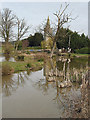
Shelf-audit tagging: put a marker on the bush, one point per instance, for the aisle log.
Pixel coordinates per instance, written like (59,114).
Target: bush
(40,60)
(28,65)
(84,50)
(7,57)
(7,69)
(48,51)
(27,52)
(8,48)
(20,58)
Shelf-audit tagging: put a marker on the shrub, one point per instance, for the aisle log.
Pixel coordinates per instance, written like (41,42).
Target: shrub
(48,51)
(84,50)
(28,65)
(74,55)
(27,52)
(40,60)
(7,69)
(8,48)
(25,44)
(20,58)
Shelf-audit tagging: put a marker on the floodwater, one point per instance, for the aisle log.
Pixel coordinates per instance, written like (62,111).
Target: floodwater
(6,58)
(37,94)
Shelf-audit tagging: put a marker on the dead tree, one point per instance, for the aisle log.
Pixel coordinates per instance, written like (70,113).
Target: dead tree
(62,19)
(22,30)
(6,25)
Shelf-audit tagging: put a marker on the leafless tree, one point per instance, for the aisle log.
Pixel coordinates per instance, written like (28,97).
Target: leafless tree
(22,30)
(62,17)
(6,25)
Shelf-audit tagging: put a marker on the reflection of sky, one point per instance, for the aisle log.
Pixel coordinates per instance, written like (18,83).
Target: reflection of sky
(36,13)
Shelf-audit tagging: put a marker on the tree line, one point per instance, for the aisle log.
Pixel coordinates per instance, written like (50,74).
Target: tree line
(62,38)
(77,41)
(71,39)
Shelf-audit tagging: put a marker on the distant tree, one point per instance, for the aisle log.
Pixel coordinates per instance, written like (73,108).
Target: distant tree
(22,30)
(25,44)
(31,41)
(62,39)
(77,41)
(35,40)
(38,37)
(83,41)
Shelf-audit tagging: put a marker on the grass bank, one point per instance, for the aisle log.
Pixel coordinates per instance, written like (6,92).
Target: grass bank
(9,67)
(79,55)
(74,55)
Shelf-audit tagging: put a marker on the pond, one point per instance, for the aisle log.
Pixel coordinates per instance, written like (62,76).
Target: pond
(37,94)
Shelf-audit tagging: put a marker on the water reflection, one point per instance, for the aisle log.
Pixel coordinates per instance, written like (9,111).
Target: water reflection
(65,69)
(62,70)
(11,82)
(71,101)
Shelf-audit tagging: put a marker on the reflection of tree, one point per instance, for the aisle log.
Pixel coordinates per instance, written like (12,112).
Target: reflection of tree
(71,101)
(8,85)
(66,98)
(11,82)
(42,85)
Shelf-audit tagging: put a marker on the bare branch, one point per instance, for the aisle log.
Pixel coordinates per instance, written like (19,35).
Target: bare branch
(22,30)
(6,25)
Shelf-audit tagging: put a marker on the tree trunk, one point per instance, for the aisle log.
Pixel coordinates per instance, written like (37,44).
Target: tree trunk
(52,51)
(16,47)
(17,43)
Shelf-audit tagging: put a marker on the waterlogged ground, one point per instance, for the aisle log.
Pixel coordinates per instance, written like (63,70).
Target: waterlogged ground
(37,94)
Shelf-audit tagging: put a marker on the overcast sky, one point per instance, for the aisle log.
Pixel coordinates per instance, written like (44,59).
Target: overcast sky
(36,12)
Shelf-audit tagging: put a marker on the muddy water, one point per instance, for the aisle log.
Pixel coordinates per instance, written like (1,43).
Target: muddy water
(37,95)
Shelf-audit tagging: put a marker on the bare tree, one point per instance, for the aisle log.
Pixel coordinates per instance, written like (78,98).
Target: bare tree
(62,18)
(22,30)
(6,25)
